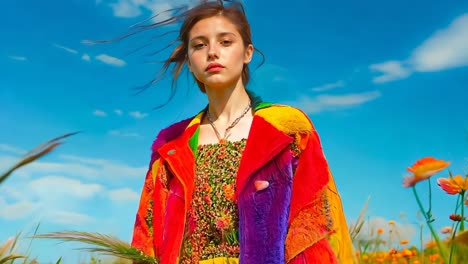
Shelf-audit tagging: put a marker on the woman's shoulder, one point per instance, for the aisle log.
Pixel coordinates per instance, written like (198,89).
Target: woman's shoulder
(286,118)
(169,133)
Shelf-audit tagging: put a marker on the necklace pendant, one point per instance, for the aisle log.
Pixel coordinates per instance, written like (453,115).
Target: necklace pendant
(222,141)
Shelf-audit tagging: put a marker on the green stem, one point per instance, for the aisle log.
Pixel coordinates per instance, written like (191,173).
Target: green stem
(421,242)
(431,228)
(454,232)
(429,211)
(462,223)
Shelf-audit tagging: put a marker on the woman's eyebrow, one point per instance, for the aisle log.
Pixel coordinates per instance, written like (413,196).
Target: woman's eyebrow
(221,34)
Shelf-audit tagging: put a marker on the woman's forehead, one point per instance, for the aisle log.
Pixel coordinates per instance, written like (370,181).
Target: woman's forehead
(213,26)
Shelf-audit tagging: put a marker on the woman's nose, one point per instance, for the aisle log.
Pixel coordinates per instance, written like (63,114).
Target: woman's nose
(213,51)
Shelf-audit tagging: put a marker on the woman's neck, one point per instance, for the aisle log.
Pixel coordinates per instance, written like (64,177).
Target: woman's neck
(226,104)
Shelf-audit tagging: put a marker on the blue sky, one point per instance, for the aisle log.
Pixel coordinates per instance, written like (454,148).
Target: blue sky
(384,84)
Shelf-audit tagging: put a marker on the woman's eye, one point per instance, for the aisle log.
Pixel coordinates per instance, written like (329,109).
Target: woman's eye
(226,42)
(198,46)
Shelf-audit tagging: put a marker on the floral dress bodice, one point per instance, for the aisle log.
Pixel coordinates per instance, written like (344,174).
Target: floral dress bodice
(212,221)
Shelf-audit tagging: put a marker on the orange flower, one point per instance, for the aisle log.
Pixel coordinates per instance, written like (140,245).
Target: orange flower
(228,192)
(380,230)
(391,222)
(404,242)
(453,185)
(407,253)
(431,244)
(434,257)
(446,230)
(424,169)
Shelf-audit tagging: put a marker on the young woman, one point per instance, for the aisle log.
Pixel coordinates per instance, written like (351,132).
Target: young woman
(243,181)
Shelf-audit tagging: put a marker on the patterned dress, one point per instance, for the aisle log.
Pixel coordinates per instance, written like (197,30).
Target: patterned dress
(212,221)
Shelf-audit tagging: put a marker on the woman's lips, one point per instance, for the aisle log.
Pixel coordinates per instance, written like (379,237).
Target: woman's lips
(214,67)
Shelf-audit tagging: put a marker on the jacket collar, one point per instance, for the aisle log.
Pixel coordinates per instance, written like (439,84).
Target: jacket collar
(263,143)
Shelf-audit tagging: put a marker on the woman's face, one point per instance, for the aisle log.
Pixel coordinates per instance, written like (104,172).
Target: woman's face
(216,52)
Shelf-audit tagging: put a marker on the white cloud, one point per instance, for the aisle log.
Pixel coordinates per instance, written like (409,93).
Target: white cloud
(59,185)
(16,210)
(160,8)
(45,209)
(123,195)
(12,149)
(123,134)
(46,197)
(134,8)
(390,70)
(68,218)
(334,102)
(126,8)
(59,168)
(118,112)
(84,160)
(98,112)
(111,60)
(59,192)
(18,58)
(328,86)
(86,57)
(445,49)
(138,115)
(70,165)
(65,48)
(107,168)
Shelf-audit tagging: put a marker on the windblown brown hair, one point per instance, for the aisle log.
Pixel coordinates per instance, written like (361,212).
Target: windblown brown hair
(232,10)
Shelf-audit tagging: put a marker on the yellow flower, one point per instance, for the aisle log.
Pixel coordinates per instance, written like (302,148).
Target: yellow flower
(391,222)
(453,185)
(423,169)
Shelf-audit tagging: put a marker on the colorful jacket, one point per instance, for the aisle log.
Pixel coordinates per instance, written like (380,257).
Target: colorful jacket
(298,219)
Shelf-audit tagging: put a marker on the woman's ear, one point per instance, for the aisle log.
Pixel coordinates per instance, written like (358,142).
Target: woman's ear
(248,53)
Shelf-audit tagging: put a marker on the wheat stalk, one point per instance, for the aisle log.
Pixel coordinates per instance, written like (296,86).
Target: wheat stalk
(105,244)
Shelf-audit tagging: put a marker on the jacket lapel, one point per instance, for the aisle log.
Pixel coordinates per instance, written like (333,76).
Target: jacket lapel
(179,155)
(264,143)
